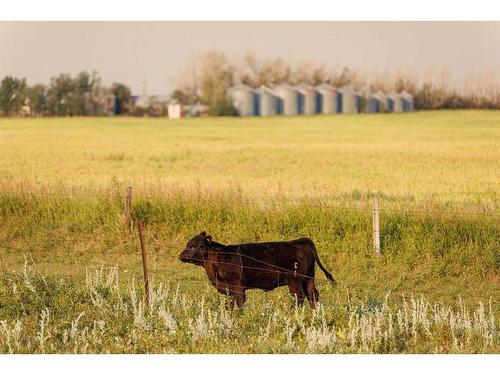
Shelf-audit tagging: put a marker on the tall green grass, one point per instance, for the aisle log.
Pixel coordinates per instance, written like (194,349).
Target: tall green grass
(438,253)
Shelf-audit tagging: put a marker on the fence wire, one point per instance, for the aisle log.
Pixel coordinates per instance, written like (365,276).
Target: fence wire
(276,203)
(261,266)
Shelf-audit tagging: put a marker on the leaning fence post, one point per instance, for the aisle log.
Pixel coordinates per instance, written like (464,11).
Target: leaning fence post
(127,214)
(144,262)
(376,226)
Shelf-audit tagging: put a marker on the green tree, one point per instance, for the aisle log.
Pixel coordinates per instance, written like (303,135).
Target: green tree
(123,97)
(37,95)
(88,95)
(346,77)
(429,97)
(275,72)
(407,85)
(180,96)
(216,76)
(12,95)
(60,95)
(319,75)
(79,96)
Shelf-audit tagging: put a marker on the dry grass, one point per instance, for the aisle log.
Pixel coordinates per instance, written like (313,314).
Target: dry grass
(427,156)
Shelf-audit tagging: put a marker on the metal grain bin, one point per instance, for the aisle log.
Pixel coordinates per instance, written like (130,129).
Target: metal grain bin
(389,104)
(407,101)
(308,99)
(243,99)
(349,100)
(266,102)
(376,102)
(372,103)
(288,100)
(362,100)
(382,101)
(327,99)
(394,102)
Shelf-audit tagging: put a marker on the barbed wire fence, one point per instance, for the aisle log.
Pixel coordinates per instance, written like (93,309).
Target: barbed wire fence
(129,220)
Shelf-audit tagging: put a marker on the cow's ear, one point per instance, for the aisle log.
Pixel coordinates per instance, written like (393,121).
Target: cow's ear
(203,234)
(209,239)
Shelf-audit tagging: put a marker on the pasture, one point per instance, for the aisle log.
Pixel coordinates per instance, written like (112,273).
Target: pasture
(71,274)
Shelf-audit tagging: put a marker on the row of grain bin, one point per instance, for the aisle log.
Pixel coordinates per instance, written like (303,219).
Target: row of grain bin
(308,100)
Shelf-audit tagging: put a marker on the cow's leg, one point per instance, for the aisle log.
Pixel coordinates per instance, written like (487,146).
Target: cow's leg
(236,298)
(240,298)
(295,287)
(312,292)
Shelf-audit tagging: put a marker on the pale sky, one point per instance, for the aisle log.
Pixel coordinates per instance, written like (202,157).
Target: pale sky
(155,52)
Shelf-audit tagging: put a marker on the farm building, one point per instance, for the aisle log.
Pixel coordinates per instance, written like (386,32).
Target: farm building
(394,102)
(349,100)
(382,99)
(307,99)
(152,105)
(243,99)
(266,102)
(195,110)
(174,110)
(327,99)
(407,101)
(372,103)
(107,105)
(376,102)
(288,100)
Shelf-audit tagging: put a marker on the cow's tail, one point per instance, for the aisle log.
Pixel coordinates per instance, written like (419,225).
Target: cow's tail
(327,274)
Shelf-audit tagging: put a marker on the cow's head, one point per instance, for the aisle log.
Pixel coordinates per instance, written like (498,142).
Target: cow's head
(196,249)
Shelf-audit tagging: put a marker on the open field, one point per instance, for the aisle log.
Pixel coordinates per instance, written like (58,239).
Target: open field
(434,289)
(445,156)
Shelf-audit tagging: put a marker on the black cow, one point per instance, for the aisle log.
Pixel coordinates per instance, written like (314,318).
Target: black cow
(235,268)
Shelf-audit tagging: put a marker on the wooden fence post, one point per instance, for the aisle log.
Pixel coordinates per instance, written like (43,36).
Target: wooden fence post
(376,226)
(144,262)
(127,212)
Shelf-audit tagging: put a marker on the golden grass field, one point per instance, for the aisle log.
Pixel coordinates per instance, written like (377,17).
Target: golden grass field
(448,156)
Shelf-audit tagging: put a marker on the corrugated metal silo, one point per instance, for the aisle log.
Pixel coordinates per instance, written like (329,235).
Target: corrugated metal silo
(288,99)
(308,99)
(407,101)
(376,102)
(266,102)
(389,104)
(394,102)
(372,103)
(327,99)
(362,99)
(382,101)
(243,99)
(349,100)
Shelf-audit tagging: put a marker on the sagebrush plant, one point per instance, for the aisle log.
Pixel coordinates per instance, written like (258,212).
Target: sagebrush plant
(111,316)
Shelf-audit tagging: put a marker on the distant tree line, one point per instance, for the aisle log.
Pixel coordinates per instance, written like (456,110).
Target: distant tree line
(208,75)
(81,95)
